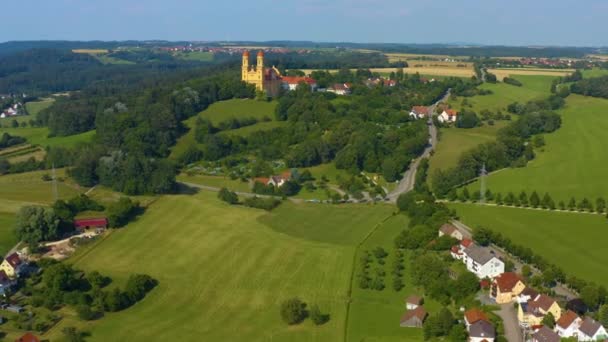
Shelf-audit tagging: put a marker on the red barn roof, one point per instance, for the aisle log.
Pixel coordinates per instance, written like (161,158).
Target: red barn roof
(298,79)
(91,222)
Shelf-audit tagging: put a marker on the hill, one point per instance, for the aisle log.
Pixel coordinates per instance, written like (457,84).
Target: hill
(224,270)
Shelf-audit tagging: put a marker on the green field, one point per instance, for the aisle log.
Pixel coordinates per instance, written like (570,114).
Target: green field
(534,87)
(29,188)
(224,270)
(220,111)
(573,161)
(374,315)
(595,73)
(39,136)
(197,56)
(454,141)
(573,241)
(216,181)
(7,233)
(34,107)
(260,126)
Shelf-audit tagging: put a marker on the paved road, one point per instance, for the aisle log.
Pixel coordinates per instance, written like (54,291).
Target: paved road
(508,314)
(409,177)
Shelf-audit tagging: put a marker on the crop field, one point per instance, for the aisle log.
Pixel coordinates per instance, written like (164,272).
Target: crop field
(29,188)
(534,87)
(224,110)
(39,136)
(572,162)
(573,241)
(374,315)
(224,270)
(400,57)
(455,141)
(509,72)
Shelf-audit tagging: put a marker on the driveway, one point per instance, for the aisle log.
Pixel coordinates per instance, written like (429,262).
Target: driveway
(508,314)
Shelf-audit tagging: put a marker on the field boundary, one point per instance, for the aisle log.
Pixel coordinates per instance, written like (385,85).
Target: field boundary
(352,273)
(576,211)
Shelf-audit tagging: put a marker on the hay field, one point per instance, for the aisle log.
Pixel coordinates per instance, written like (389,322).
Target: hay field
(507,72)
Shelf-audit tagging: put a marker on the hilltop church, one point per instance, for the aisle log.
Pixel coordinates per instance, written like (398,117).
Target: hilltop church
(264,79)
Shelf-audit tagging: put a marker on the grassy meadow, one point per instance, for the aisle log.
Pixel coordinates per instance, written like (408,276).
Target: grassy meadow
(595,73)
(224,110)
(573,241)
(374,315)
(534,87)
(29,188)
(224,270)
(216,181)
(7,235)
(39,136)
(572,162)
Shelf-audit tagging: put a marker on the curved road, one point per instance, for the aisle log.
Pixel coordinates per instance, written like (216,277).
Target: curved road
(406,184)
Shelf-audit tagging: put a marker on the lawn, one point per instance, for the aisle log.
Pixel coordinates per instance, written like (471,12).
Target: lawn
(29,188)
(454,141)
(534,87)
(220,111)
(198,56)
(328,170)
(224,270)
(595,73)
(39,136)
(248,130)
(374,315)
(573,161)
(575,242)
(216,181)
(34,107)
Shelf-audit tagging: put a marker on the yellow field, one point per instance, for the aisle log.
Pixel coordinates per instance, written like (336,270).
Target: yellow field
(600,57)
(91,51)
(506,72)
(398,57)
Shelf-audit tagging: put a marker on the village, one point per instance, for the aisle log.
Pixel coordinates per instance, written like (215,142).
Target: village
(540,317)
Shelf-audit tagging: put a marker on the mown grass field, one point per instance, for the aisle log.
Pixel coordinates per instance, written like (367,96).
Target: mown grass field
(374,315)
(39,136)
(454,141)
(224,270)
(573,241)
(7,232)
(573,161)
(595,73)
(216,181)
(29,188)
(198,56)
(248,130)
(534,87)
(224,110)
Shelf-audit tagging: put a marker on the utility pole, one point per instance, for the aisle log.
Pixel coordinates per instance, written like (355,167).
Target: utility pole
(482,182)
(55,190)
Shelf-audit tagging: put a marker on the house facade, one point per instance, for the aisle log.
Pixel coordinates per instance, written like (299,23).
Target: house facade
(450,230)
(481,331)
(567,325)
(482,262)
(11,265)
(419,112)
(533,312)
(340,89)
(292,82)
(506,287)
(591,330)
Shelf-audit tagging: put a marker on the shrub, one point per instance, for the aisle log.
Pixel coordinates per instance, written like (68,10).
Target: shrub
(317,317)
(262,203)
(293,311)
(228,196)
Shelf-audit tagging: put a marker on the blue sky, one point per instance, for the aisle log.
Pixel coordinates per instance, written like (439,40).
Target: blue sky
(508,22)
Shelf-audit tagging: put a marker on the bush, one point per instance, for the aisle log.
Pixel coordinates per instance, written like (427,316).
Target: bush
(262,203)
(121,212)
(293,311)
(228,196)
(512,81)
(317,317)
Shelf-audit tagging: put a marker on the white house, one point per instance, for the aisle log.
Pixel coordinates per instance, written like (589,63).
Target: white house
(591,330)
(292,82)
(458,250)
(340,89)
(448,115)
(567,325)
(419,112)
(482,262)
(412,302)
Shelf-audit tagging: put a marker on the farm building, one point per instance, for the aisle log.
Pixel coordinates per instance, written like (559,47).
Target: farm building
(506,287)
(91,223)
(413,318)
(412,302)
(450,230)
(545,334)
(448,115)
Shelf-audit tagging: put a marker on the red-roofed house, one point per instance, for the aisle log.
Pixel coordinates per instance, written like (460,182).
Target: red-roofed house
(458,250)
(28,337)
(340,89)
(473,315)
(419,112)
(87,223)
(568,324)
(506,287)
(450,230)
(292,82)
(413,318)
(276,181)
(533,312)
(448,115)
(12,265)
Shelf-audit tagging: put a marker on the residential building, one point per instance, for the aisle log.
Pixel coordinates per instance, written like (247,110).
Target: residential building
(545,334)
(458,250)
(448,115)
(472,316)
(419,112)
(480,331)
(277,180)
(292,82)
(568,324)
(506,287)
(412,302)
(482,262)
(527,294)
(413,318)
(267,80)
(450,230)
(340,89)
(591,330)
(12,265)
(532,313)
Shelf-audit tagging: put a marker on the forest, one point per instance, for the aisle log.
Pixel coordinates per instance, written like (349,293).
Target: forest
(597,87)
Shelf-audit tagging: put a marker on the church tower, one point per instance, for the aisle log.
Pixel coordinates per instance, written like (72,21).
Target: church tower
(264,79)
(245,66)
